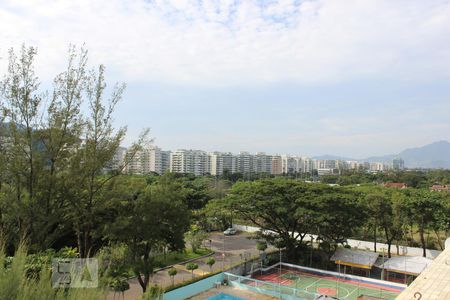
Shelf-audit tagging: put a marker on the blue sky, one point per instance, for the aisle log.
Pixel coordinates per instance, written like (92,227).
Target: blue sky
(352,78)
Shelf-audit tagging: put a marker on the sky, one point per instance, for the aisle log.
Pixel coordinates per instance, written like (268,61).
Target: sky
(344,77)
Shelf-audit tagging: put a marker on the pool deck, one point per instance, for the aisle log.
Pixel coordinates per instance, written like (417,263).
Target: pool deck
(249,295)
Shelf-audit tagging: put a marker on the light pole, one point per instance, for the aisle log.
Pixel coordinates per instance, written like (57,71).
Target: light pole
(279,277)
(312,249)
(223,253)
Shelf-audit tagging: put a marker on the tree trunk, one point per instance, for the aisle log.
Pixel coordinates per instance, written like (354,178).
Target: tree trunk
(389,248)
(422,241)
(441,246)
(141,282)
(375,238)
(388,241)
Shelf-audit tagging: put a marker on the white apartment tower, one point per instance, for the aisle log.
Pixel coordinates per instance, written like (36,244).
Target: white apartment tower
(219,162)
(153,159)
(245,162)
(189,161)
(263,163)
(290,164)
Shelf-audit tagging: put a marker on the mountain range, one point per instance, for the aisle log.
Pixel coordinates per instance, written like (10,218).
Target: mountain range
(435,155)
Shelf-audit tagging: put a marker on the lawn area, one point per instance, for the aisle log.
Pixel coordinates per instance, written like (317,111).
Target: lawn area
(177,257)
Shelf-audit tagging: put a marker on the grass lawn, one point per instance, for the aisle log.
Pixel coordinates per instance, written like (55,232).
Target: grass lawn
(177,257)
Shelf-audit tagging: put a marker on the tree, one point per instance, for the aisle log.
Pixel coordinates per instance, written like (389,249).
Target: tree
(286,210)
(172,272)
(40,141)
(154,217)
(53,156)
(217,214)
(425,209)
(195,237)
(261,246)
(378,210)
(191,267)
(210,262)
(337,217)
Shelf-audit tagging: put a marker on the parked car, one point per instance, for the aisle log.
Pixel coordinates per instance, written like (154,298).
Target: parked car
(230,231)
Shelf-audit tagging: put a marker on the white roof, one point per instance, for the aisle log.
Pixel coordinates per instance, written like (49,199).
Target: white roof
(406,264)
(358,257)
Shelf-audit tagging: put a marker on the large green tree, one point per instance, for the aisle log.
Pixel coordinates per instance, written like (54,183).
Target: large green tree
(154,218)
(427,211)
(286,210)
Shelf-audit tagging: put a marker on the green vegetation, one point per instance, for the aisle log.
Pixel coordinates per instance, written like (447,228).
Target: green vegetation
(287,209)
(291,209)
(210,262)
(191,267)
(171,258)
(172,272)
(17,283)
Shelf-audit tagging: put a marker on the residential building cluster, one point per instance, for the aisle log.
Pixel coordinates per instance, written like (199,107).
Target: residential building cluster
(198,162)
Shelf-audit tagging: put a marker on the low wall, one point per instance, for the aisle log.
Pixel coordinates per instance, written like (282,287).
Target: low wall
(363,245)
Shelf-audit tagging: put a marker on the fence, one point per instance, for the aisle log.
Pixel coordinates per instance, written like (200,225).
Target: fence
(268,288)
(363,245)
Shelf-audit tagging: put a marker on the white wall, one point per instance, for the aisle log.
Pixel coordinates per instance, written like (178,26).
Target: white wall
(365,245)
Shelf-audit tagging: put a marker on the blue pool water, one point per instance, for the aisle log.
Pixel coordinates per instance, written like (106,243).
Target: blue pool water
(223,296)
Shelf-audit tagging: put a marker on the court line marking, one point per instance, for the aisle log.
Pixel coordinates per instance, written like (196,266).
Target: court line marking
(348,295)
(306,288)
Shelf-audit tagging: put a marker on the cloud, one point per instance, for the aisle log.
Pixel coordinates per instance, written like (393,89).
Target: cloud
(210,43)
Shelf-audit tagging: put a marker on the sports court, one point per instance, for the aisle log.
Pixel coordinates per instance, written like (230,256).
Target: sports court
(307,283)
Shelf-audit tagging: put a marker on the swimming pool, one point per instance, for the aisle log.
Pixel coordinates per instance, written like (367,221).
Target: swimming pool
(223,296)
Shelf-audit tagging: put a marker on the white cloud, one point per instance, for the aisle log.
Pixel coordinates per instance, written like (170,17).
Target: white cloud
(233,42)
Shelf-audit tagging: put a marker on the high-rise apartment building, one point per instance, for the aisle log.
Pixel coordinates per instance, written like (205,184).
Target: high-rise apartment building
(198,162)
(398,164)
(148,160)
(220,162)
(307,164)
(245,162)
(189,162)
(277,165)
(153,159)
(263,163)
(118,161)
(290,165)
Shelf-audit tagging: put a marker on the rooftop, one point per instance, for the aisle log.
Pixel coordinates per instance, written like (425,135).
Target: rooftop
(434,282)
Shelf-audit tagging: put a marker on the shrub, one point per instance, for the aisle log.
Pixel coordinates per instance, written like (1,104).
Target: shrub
(191,267)
(210,262)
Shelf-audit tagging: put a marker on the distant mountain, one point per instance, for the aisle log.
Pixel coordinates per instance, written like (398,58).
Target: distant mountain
(435,155)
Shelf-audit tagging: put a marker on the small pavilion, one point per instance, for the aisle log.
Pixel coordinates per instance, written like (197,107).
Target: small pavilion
(358,262)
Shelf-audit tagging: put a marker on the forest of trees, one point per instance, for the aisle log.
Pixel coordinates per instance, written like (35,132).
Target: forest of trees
(60,194)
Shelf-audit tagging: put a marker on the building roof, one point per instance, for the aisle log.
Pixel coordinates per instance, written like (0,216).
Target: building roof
(412,265)
(355,258)
(434,282)
(438,187)
(398,185)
